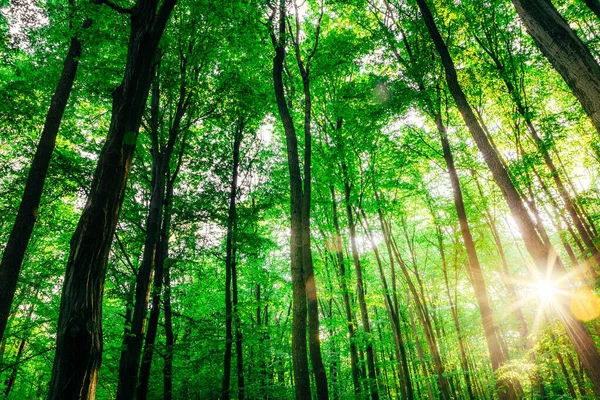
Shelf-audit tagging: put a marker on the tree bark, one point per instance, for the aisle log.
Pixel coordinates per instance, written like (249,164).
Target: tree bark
(544,255)
(79,334)
(566,52)
(14,252)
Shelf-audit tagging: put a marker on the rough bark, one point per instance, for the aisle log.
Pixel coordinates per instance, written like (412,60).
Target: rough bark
(566,52)
(14,252)
(79,334)
(544,255)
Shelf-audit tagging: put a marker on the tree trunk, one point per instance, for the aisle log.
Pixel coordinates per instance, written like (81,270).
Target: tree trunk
(405,385)
(545,256)
(79,334)
(345,293)
(299,345)
(162,253)
(229,261)
(161,158)
(566,52)
(168,367)
(360,292)
(505,387)
(14,253)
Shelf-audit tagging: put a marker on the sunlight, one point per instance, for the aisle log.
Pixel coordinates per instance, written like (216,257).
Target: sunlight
(545,290)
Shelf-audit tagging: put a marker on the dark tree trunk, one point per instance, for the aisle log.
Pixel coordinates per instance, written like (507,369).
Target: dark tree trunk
(299,345)
(566,52)
(505,388)
(230,250)
(79,334)
(543,254)
(14,253)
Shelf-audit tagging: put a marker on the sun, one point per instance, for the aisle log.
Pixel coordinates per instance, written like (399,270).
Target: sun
(545,290)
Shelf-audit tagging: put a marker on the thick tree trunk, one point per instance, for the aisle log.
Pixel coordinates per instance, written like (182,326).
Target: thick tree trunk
(229,254)
(14,253)
(299,345)
(79,334)
(505,388)
(544,255)
(566,52)
(360,292)
(339,251)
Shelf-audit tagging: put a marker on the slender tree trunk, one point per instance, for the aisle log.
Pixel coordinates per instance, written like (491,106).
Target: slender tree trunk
(453,307)
(345,293)
(161,158)
(360,289)
(421,355)
(10,381)
(79,334)
(544,255)
(14,252)
(396,332)
(299,345)
(505,387)
(424,317)
(229,262)
(566,52)
(307,262)
(168,367)
(159,278)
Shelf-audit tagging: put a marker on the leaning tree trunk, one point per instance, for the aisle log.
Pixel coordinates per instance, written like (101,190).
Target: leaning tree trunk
(14,253)
(544,255)
(79,334)
(505,388)
(566,52)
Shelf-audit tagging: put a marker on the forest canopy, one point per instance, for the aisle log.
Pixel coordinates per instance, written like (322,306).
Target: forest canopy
(299,199)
